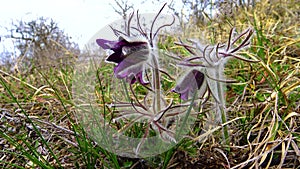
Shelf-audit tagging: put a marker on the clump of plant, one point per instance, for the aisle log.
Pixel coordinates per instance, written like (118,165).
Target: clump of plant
(139,75)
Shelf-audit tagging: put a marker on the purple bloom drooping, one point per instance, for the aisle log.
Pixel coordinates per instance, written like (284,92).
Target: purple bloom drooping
(189,84)
(130,56)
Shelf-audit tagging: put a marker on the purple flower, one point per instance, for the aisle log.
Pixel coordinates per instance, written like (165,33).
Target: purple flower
(130,56)
(187,86)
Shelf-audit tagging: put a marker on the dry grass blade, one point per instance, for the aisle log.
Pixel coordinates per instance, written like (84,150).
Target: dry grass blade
(256,158)
(19,80)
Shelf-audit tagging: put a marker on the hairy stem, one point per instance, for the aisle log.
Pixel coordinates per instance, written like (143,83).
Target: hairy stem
(156,85)
(221,107)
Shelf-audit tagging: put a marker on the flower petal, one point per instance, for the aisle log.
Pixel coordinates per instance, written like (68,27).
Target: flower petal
(125,69)
(132,67)
(189,84)
(140,78)
(116,57)
(107,44)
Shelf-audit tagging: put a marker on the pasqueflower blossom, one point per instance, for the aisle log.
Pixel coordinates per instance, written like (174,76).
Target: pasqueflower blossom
(129,55)
(205,69)
(133,52)
(189,83)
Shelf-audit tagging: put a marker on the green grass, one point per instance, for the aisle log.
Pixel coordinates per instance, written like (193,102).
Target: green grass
(39,129)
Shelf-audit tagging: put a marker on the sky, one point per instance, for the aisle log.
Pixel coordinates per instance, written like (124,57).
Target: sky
(80,19)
